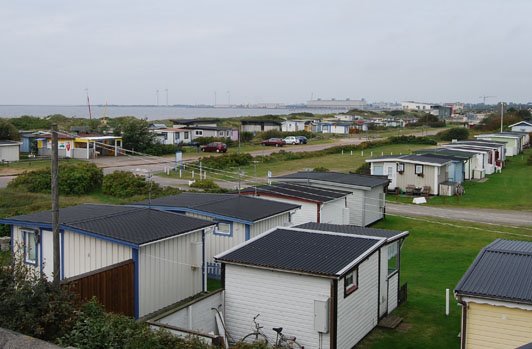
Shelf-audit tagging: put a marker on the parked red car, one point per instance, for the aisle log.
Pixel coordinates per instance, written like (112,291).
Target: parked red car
(275,142)
(217,147)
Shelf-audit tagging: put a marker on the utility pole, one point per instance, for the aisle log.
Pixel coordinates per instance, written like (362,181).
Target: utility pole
(55,204)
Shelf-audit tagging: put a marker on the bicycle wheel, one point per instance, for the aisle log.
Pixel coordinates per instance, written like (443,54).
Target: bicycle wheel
(255,338)
(294,345)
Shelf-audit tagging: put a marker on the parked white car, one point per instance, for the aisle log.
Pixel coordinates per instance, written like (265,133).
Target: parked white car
(291,140)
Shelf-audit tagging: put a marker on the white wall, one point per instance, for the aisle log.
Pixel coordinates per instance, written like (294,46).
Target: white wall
(393,292)
(282,299)
(333,211)
(374,205)
(307,213)
(9,152)
(358,312)
(260,227)
(169,272)
(84,253)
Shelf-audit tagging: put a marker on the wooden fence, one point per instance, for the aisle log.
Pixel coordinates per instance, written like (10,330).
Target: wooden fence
(113,286)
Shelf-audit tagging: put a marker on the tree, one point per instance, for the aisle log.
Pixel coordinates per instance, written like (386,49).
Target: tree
(27,122)
(8,131)
(458,133)
(136,134)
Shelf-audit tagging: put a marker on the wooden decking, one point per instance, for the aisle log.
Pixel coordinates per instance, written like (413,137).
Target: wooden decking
(390,321)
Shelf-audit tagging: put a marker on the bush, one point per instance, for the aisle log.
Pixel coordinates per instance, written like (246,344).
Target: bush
(411,140)
(123,184)
(246,137)
(74,179)
(31,305)
(95,329)
(458,133)
(206,184)
(8,131)
(206,140)
(364,169)
(158,149)
(227,161)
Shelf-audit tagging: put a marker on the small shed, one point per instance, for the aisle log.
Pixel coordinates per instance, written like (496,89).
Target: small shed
(496,297)
(522,126)
(366,201)
(317,204)
(9,151)
(238,218)
(166,248)
(330,283)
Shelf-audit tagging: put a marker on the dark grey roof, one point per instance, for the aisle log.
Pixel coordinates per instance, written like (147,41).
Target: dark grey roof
(447,152)
(336,177)
(482,143)
(301,251)
(212,128)
(414,157)
(471,148)
(137,225)
(301,191)
(389,235)
(229,205)
(502,270)
(8,142)
(195,121)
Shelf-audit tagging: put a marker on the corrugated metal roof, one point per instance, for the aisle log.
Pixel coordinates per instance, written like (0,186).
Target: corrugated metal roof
(301,191)
(351,229)
(229,205)
(336,177)
(502,270)
(137,225)
(302,251)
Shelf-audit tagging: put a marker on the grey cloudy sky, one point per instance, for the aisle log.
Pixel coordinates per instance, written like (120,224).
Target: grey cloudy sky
(267,51)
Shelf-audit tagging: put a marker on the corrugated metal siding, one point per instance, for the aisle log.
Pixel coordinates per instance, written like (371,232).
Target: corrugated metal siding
(267,224)
(357,313)
(374,205)
(282,300)
(307,213)
(166,274)
(355,203)
(497,327)
(9,153)
(383,307)
(333,211)
(393,288)
(84,253)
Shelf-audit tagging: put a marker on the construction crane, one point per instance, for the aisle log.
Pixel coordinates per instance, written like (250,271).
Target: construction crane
(486,97)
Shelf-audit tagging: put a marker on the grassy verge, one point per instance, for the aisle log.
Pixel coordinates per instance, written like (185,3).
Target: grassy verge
(508,190)
(29,165)
(434,257)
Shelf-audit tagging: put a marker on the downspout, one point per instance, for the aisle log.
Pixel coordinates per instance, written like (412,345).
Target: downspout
(464,323)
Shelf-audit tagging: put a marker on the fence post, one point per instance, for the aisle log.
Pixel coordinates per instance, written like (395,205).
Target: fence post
(362,153)
(192,173)
(447,301)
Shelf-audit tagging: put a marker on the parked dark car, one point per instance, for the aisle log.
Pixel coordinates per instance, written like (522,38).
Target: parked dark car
(217,147)
(302,139)
(275,142)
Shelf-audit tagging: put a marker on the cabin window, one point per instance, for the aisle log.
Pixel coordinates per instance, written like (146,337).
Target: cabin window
(221,133)
(30,247)
(199,133)
(400,167)
(165,135)
(223,228)
(392,258)
(186,135)
(351,282)
(419,170)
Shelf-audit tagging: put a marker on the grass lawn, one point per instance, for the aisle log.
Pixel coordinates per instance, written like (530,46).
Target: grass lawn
(29,165)
(508,190)
(433,258)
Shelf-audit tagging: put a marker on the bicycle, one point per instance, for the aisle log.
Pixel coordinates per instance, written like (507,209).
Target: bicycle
(257,336)
(283,341)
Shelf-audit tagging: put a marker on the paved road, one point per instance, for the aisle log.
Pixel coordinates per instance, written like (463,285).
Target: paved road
(501,217)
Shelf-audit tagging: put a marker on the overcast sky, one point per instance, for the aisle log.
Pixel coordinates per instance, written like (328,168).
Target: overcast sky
(267,51)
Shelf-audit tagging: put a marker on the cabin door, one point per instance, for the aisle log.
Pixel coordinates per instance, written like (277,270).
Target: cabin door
(392,176)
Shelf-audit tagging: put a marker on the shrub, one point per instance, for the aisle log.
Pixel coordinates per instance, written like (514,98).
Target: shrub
(227,161)
(411,140)
(364,169)
(206,184)
(95,329)
(246,137)
(31,305)
(206,140)
(458,133)
(8,131)
(123,184)
(158,149)
(74,179)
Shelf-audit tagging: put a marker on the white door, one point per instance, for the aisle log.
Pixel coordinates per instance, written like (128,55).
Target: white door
(47,241)
(392,176)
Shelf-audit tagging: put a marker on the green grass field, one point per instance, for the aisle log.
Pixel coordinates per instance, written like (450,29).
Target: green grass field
(434,257)
(509,190)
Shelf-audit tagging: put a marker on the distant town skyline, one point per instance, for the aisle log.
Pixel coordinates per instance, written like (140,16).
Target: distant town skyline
(240,52)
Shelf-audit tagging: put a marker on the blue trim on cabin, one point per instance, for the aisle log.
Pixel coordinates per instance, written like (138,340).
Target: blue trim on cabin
(25,246)
(136,300)
(67,227)
(248,232)
(39,241)
(177,209)
(62,254)
(203,263)
(229,235)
